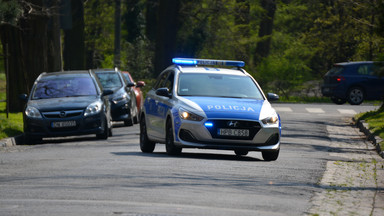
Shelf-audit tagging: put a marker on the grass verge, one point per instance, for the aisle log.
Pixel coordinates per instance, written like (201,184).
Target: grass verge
(375,120)
(11,126)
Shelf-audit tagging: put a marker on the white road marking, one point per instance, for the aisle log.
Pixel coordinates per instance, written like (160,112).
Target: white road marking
(347,111)
(315,110)
(283,109)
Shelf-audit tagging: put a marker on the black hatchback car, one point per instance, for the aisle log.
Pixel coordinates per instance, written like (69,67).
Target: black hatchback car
(123,99)
(353,82)
(66,104)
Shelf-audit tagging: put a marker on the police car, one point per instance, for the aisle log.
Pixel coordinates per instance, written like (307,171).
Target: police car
(209,104)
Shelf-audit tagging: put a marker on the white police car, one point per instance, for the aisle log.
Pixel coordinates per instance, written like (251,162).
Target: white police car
(196,106)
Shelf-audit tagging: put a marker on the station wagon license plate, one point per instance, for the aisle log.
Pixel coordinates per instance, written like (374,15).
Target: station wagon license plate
(233,132)
(63,124)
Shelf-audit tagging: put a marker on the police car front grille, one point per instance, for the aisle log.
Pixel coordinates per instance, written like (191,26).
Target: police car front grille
(252,126)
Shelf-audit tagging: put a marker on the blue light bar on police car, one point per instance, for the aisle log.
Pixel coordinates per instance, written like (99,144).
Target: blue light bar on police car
(192,61)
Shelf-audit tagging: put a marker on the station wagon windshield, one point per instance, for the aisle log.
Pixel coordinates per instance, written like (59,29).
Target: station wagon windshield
(56,87)
(218,85)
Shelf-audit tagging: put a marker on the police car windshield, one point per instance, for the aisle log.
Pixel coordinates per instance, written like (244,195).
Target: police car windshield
(217,85)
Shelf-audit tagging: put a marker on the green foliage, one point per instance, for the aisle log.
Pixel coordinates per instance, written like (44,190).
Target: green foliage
(10,12)
(375,120)
(11,126)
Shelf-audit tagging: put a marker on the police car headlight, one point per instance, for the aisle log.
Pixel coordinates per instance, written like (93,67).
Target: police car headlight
(93,108)
(186,115)
(271,119)
(32,112)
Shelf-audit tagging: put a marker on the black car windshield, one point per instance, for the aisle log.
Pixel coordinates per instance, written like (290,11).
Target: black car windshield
(110,80)
(57,86)
(218,85)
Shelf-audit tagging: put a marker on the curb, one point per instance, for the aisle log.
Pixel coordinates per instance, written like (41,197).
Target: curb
(376,140)
(12,141)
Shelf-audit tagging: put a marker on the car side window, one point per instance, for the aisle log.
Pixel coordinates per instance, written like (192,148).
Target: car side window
(160,80)
(169,82)
(365,70)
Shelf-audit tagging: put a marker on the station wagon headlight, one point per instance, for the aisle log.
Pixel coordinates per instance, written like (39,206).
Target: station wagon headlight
(32,112)
(271,119)
(93,108)
(186,115)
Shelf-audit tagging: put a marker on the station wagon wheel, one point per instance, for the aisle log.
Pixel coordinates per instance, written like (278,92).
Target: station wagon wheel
(270,155)
(105,133)
(169,141)
(338,101)
(146,145)
(355,96)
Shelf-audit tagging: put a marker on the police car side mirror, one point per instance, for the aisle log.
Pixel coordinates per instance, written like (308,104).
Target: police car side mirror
(163,92)
(272,97)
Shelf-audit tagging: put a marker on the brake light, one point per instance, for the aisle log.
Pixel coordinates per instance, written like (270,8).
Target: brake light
(340,78)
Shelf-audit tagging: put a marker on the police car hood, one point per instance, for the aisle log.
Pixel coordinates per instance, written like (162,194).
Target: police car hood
(238,108)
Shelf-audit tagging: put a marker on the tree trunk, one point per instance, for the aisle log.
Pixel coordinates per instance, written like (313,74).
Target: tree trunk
(74,48)
(265,31)
(32,49)
(166,34)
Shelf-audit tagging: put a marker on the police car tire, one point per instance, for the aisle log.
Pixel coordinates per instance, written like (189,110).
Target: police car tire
(169,141)
(146,145)
(270,155)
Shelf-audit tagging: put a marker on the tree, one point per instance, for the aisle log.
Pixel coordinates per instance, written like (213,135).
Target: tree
(25,33)
(74,47)
(265,31)
(167,28)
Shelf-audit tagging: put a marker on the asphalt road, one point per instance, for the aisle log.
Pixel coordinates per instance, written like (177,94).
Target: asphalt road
(86,176)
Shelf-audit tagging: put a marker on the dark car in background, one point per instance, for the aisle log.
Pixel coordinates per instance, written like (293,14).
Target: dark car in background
(66,104)
(136,89)
(353,82)
(123,102)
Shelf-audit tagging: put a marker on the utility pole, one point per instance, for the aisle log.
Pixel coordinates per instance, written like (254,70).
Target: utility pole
(117,61)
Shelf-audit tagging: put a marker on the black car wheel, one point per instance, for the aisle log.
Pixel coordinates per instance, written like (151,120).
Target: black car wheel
(355,96)
(270,155)
(241,152)
(169,141)
(146,145)
(129,121)
(338,101)
(110,126)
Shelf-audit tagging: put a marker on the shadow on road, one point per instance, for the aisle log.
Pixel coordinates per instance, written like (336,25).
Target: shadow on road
(206,156)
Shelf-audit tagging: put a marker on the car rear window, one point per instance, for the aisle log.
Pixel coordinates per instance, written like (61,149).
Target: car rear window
(218,85)
(56,87)
(110,80)
(336,70)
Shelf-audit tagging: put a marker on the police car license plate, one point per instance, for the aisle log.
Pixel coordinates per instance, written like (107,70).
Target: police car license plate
(63,124)
(233,132)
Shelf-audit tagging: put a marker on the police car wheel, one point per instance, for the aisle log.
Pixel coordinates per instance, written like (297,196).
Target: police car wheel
(169,141)
(270,155)
(241,152)
(146,145)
